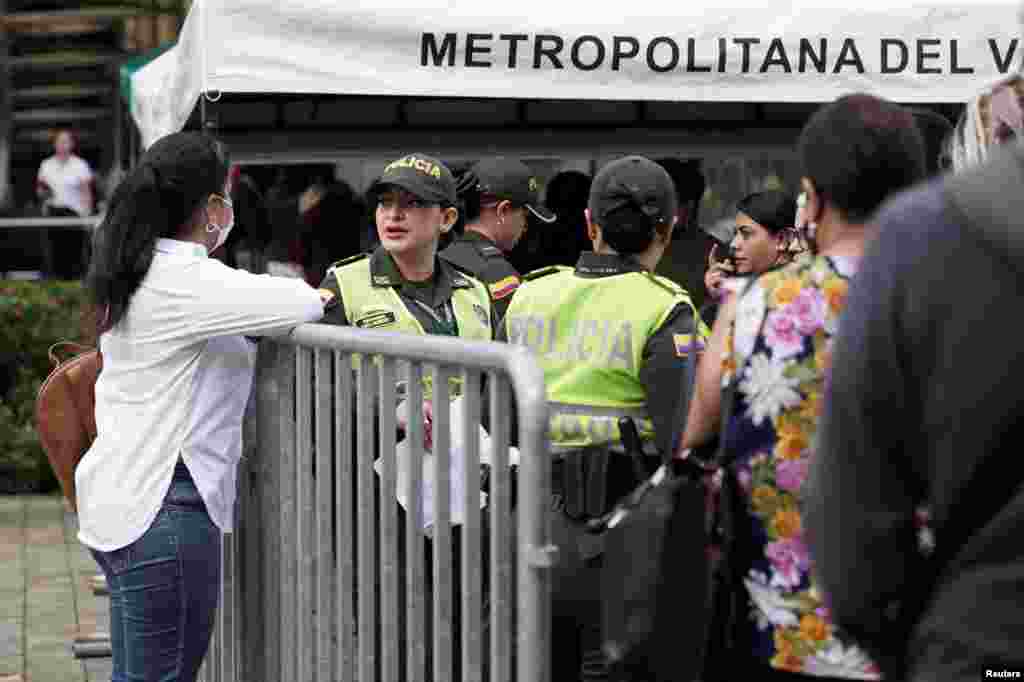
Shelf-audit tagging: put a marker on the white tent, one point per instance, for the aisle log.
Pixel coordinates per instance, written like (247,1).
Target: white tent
(914,51)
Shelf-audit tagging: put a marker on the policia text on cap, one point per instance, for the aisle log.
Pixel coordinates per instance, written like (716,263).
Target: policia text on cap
(612,339)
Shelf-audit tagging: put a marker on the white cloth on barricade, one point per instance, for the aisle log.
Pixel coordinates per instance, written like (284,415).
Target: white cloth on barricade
(456,466)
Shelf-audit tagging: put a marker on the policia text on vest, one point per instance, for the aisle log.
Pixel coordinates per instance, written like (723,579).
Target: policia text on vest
(612,341)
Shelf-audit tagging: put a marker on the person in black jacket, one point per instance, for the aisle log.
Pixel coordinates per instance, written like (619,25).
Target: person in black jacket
(497,195)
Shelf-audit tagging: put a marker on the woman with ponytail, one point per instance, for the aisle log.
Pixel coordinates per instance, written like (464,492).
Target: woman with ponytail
(156,489)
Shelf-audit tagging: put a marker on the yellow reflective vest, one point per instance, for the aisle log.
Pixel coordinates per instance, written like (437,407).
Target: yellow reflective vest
(388,312)
(589,335)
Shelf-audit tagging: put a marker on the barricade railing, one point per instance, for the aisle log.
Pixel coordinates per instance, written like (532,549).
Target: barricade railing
(327,577)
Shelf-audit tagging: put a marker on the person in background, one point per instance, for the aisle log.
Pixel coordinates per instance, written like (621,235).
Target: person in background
(65,186)
(330,222)
(922,417)
(936,131)
(991,118)
(685,261)
(157,488)
(562,242)
(64,183)
(771,347)
(613,340)
(762,236)
(497,196)
(247,244)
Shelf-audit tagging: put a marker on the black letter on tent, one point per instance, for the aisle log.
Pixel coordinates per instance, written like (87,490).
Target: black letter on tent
(691,58)
(673,47)
(575,53)
(437,55)
(773,59)
(1002,63)
(904,55)
(472,49)
(807,53)
(853,59)
(550,52)
(954,59)
(746,43)
(618,54)
(513,40)
(922,43)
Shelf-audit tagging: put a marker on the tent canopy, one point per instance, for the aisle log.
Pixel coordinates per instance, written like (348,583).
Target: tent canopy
(713,51)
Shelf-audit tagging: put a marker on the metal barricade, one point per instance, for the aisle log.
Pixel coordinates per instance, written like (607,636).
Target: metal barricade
(326,576)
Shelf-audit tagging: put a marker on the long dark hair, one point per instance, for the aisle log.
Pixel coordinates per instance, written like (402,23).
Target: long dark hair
(157,199)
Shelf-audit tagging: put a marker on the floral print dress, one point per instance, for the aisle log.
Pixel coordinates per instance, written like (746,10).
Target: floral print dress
(779,350)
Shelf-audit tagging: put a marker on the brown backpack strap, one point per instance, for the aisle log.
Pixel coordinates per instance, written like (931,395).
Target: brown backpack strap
(55,358)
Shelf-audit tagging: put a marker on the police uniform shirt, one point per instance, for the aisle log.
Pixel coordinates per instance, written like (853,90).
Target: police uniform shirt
(663,373)
(476,254)
(429,302)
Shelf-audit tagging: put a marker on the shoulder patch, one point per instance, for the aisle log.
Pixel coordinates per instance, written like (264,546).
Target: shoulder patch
(346,261)
(376,318)
(504,287)
(687,343)
(543,272)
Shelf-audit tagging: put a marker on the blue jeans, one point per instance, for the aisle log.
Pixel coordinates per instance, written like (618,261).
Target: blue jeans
(163,590)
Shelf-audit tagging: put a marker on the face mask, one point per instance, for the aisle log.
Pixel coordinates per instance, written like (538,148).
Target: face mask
(223,231)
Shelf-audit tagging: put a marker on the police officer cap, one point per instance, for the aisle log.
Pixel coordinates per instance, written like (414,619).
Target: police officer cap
(419,174)
(512,180)
(633,181)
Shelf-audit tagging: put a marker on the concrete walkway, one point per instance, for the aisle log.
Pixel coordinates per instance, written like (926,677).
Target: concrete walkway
(45,597)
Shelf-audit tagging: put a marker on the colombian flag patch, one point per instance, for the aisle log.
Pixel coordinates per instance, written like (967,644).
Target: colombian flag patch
(504,287)
(685,343)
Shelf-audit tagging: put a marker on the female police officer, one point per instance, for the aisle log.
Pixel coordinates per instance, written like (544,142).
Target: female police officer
(402,285)
(612,339)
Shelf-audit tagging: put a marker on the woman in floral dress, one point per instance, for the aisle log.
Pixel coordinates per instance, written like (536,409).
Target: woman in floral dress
(773,341)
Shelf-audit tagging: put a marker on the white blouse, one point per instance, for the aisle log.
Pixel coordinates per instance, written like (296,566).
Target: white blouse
(177,372)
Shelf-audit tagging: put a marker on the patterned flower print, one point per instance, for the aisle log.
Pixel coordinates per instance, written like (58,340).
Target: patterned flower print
(780,353)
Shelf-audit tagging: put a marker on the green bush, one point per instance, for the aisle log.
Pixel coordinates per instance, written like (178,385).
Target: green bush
(33,316)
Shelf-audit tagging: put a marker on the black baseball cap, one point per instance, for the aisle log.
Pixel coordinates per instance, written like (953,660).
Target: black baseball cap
(512,180)
(422,175)
(633,181)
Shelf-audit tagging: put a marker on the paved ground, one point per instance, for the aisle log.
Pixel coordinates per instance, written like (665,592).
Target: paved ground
(45,597)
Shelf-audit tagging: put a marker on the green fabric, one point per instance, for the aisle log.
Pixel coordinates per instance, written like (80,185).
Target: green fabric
(130,66)
(589,335)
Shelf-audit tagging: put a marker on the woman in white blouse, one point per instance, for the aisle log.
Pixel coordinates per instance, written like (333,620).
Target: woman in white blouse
(157,488)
